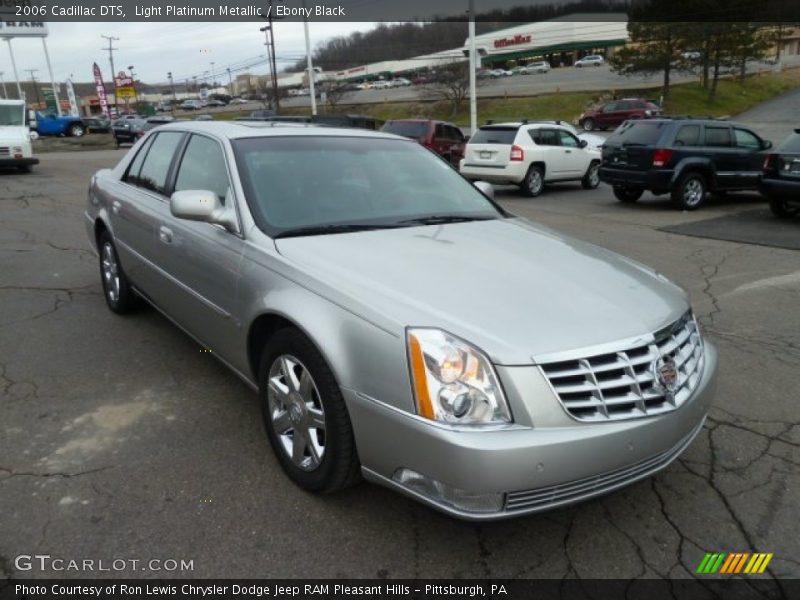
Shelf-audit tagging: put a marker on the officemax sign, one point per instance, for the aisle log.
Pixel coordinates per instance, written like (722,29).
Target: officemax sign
(513,41)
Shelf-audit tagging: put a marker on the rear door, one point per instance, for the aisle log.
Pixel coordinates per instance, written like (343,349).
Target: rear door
(605,116)
(490,147)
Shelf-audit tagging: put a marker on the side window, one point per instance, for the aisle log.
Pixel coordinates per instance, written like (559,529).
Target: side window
(689,135)
(132,176)
(536,135)
(567,139)
(613,106)
(203,167)
(439,132)
(153,175)
(455,134)
(746,139)
(718,137)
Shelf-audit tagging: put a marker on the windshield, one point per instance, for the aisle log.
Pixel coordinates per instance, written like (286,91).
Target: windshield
(12,114)
(302,182)
(409,129)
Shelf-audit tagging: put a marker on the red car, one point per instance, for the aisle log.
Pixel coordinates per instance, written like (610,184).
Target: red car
(443,138)
(616,112)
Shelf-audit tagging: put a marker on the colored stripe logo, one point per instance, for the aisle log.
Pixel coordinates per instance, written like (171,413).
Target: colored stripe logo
(734,563)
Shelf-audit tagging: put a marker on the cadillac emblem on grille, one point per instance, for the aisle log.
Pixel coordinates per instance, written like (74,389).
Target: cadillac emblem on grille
(666,374)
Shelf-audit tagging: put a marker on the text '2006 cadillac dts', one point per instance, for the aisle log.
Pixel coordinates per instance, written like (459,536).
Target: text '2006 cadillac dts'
(399,325)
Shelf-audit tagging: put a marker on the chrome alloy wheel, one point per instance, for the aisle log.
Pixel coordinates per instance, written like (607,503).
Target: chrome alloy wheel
(594,175)
(296,412)
(693,192)
(535,182)
(110,272)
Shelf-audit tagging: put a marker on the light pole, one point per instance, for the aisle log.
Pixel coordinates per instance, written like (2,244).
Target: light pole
(230,81)
(473,100)
(172,85)
(3,83)
(133,80)
(212,74)
(311,82)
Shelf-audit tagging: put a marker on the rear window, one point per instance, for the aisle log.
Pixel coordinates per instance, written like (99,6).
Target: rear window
(494,135)
(791,144)
(409,129)
(640,132)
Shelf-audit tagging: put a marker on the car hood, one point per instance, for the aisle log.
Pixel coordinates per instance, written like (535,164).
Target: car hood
(517,290)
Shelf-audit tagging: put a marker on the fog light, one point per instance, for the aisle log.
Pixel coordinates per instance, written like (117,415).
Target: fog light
(454,497)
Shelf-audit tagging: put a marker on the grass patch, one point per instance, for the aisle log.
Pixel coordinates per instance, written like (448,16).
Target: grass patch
(685,99)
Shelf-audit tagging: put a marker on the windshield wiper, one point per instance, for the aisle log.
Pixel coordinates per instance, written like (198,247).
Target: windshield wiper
(443,219)
(328,229)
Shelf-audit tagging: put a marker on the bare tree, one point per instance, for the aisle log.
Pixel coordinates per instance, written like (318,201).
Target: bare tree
(450,84)
(334,91)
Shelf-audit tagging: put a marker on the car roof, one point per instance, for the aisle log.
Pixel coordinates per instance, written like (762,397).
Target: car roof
(255,129)
(518,124)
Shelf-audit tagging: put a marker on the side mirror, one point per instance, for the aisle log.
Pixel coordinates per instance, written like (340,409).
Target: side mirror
(202,205)
(583,143)
(486,188)
(466,138)
(766,144)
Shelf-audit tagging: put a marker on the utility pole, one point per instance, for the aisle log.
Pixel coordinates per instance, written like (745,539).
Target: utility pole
(473,100)
(269,32)
(35,86)
(230,81)
(310,66)
(2,81)
(172,85)
(111,49)
(213,85)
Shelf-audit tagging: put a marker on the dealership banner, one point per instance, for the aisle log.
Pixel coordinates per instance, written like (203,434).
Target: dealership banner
(408,10)
(764,587)
(101,90)
(73,101)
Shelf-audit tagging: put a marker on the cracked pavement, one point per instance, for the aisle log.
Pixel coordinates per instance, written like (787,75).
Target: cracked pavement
(119,438)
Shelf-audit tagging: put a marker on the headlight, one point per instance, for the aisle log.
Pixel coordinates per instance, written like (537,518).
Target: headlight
(453,381)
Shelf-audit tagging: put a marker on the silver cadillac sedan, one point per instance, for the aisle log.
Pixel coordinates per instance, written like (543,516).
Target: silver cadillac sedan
(397,324)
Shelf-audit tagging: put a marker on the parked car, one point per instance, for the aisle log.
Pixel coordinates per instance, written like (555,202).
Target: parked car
(613,114)
(401,82)
(592,60)
(684,157)
(204,117)
(237,100)
(692,55)
(15,137)
(535,67)
(129,131)
(215,103)
(262,112)
(191,105)
(97,124)
(496,73)
(52,124)
(780,181)
(444,138)
(397,323)
(529,155)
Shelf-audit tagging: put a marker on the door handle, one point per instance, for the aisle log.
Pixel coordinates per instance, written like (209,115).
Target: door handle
(116,206)
(568,151)
(165,234)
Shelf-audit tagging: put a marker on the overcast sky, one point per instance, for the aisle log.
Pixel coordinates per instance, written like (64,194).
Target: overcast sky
(186,49)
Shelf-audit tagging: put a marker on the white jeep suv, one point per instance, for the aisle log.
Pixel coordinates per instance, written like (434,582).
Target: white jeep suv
(530,155)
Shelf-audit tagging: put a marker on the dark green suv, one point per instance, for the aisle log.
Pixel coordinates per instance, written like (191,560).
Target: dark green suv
(684,157)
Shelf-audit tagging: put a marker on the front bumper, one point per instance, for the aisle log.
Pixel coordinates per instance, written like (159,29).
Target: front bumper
(18,162)
(544,461)
(658,181)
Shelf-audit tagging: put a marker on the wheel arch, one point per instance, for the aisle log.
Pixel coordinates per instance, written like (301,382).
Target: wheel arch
(694,165)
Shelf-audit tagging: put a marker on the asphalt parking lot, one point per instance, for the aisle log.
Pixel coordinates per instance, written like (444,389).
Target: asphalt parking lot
(121,438)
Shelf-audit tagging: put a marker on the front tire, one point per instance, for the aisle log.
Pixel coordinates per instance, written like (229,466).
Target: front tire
(117,290)
(305,416)
(591,179)
(780,208)
(533,184)
(588,125)
(690,192)
(627,195)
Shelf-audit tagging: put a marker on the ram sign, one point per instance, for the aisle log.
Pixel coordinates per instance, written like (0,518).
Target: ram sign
(11,29)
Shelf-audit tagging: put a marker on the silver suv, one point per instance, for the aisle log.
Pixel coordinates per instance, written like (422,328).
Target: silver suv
(397,323)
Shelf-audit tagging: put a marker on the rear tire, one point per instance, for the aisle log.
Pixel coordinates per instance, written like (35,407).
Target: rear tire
(533,184)
(591,179)
(780,208)
(300,397)
(117,290)
(627,195)
(76,130)
(690,192)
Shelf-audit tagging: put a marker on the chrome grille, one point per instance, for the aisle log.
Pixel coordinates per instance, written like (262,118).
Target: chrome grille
(5,151)
(624,384)
(580,489)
